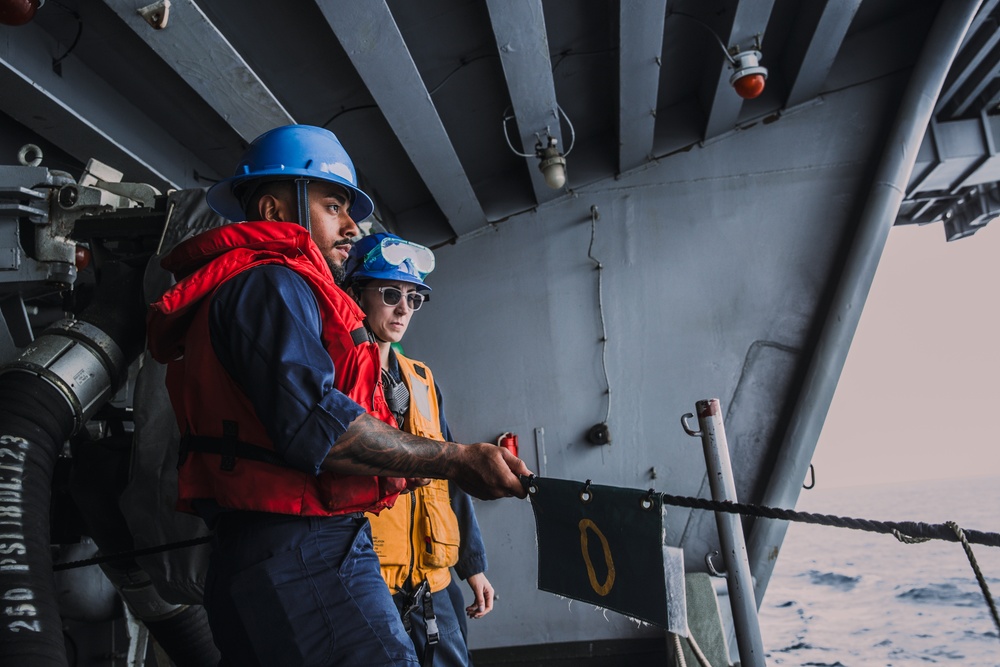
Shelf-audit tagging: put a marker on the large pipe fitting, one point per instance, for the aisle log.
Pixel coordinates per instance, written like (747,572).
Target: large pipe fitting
(82,362)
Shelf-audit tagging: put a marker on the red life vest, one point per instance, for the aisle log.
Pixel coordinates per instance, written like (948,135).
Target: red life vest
(209,404)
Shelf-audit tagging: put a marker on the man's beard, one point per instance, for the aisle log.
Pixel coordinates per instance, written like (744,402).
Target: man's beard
(338,272)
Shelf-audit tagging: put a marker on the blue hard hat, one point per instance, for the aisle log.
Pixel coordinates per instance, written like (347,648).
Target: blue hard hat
(387,257)
(289,152)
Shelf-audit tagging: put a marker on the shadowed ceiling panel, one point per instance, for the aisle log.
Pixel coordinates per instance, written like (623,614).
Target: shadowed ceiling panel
(371,39)
(640,46)
(85,115)
(814,43)
(203,57)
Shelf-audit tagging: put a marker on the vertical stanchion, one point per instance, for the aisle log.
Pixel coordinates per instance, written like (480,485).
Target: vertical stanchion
(738,580)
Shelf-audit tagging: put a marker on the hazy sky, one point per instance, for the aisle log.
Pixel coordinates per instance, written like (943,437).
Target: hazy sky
(919,397)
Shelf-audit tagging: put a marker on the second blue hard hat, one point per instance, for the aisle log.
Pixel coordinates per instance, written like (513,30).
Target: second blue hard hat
(385,256)
(290,152)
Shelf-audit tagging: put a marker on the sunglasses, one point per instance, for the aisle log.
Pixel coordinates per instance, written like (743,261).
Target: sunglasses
(391,296)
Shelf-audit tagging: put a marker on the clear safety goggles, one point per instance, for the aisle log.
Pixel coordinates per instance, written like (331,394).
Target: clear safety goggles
(396,253)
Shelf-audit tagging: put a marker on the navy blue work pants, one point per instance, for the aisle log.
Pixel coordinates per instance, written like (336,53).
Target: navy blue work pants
(301,591)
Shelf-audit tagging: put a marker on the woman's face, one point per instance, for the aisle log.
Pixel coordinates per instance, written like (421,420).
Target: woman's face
(388,322)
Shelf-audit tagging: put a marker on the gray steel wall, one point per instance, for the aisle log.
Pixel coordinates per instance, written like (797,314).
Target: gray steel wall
(715,262)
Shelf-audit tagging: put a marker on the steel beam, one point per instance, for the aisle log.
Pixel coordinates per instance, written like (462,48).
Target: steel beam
(640,45)
(978,86)
(191,46)
(79,110)
(819,31)
(519,29)
(373,42)
(984,35)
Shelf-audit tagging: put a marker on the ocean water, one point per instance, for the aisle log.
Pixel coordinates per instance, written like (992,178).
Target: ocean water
(849,598)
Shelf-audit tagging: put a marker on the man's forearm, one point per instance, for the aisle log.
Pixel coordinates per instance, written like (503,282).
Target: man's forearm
(372,447)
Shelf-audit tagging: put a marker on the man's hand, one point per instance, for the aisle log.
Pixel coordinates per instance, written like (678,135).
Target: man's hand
(483,590)
(372,447)
(486,471)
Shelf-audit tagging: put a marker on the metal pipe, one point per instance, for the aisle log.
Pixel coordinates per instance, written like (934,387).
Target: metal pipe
(734,551)
(82,362)
(888,188)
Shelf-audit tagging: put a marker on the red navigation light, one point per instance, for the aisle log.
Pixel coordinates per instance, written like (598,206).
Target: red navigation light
(748,76)
(749,86)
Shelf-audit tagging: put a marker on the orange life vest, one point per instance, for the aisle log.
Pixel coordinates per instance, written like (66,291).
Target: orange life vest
(418,538)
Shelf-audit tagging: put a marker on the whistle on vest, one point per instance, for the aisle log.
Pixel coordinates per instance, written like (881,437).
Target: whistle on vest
(508,441)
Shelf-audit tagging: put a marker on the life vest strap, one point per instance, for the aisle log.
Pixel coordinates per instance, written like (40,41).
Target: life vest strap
(229,449)
(359,336)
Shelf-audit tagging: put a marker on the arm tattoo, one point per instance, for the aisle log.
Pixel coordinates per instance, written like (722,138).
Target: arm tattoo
(372,447)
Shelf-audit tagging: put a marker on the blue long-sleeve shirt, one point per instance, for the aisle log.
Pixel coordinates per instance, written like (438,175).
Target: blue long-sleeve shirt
(265,329)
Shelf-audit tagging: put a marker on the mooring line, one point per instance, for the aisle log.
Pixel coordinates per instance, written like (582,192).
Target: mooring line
(907,532)
(908,529)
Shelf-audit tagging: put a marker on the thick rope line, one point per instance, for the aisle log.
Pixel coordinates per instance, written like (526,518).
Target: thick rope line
(699,656)
(975,568)
(905,531)
(125,555)
(678,650)
(910,530)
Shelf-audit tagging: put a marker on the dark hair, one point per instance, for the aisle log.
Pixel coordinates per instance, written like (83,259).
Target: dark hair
(250,193)
(356,285)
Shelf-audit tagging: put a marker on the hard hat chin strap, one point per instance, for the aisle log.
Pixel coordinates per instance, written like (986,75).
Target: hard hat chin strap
(302,195)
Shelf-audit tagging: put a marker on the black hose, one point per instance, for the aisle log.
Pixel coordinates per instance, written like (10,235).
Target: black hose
(34,422)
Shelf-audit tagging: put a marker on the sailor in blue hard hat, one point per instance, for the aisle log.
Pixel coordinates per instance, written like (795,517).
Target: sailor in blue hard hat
(394,268)
(298,173)
(387,276)
(383,256)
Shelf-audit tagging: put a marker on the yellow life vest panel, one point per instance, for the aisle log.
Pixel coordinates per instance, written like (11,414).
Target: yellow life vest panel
(418,538)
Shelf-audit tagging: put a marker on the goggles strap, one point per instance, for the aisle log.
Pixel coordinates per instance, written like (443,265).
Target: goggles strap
(302,196)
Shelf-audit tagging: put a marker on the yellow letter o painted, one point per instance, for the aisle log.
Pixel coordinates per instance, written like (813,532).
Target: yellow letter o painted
(605,588)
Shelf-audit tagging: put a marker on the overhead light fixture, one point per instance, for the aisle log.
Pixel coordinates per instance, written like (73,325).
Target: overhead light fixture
(748,75)
(551,162)
(748,78)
